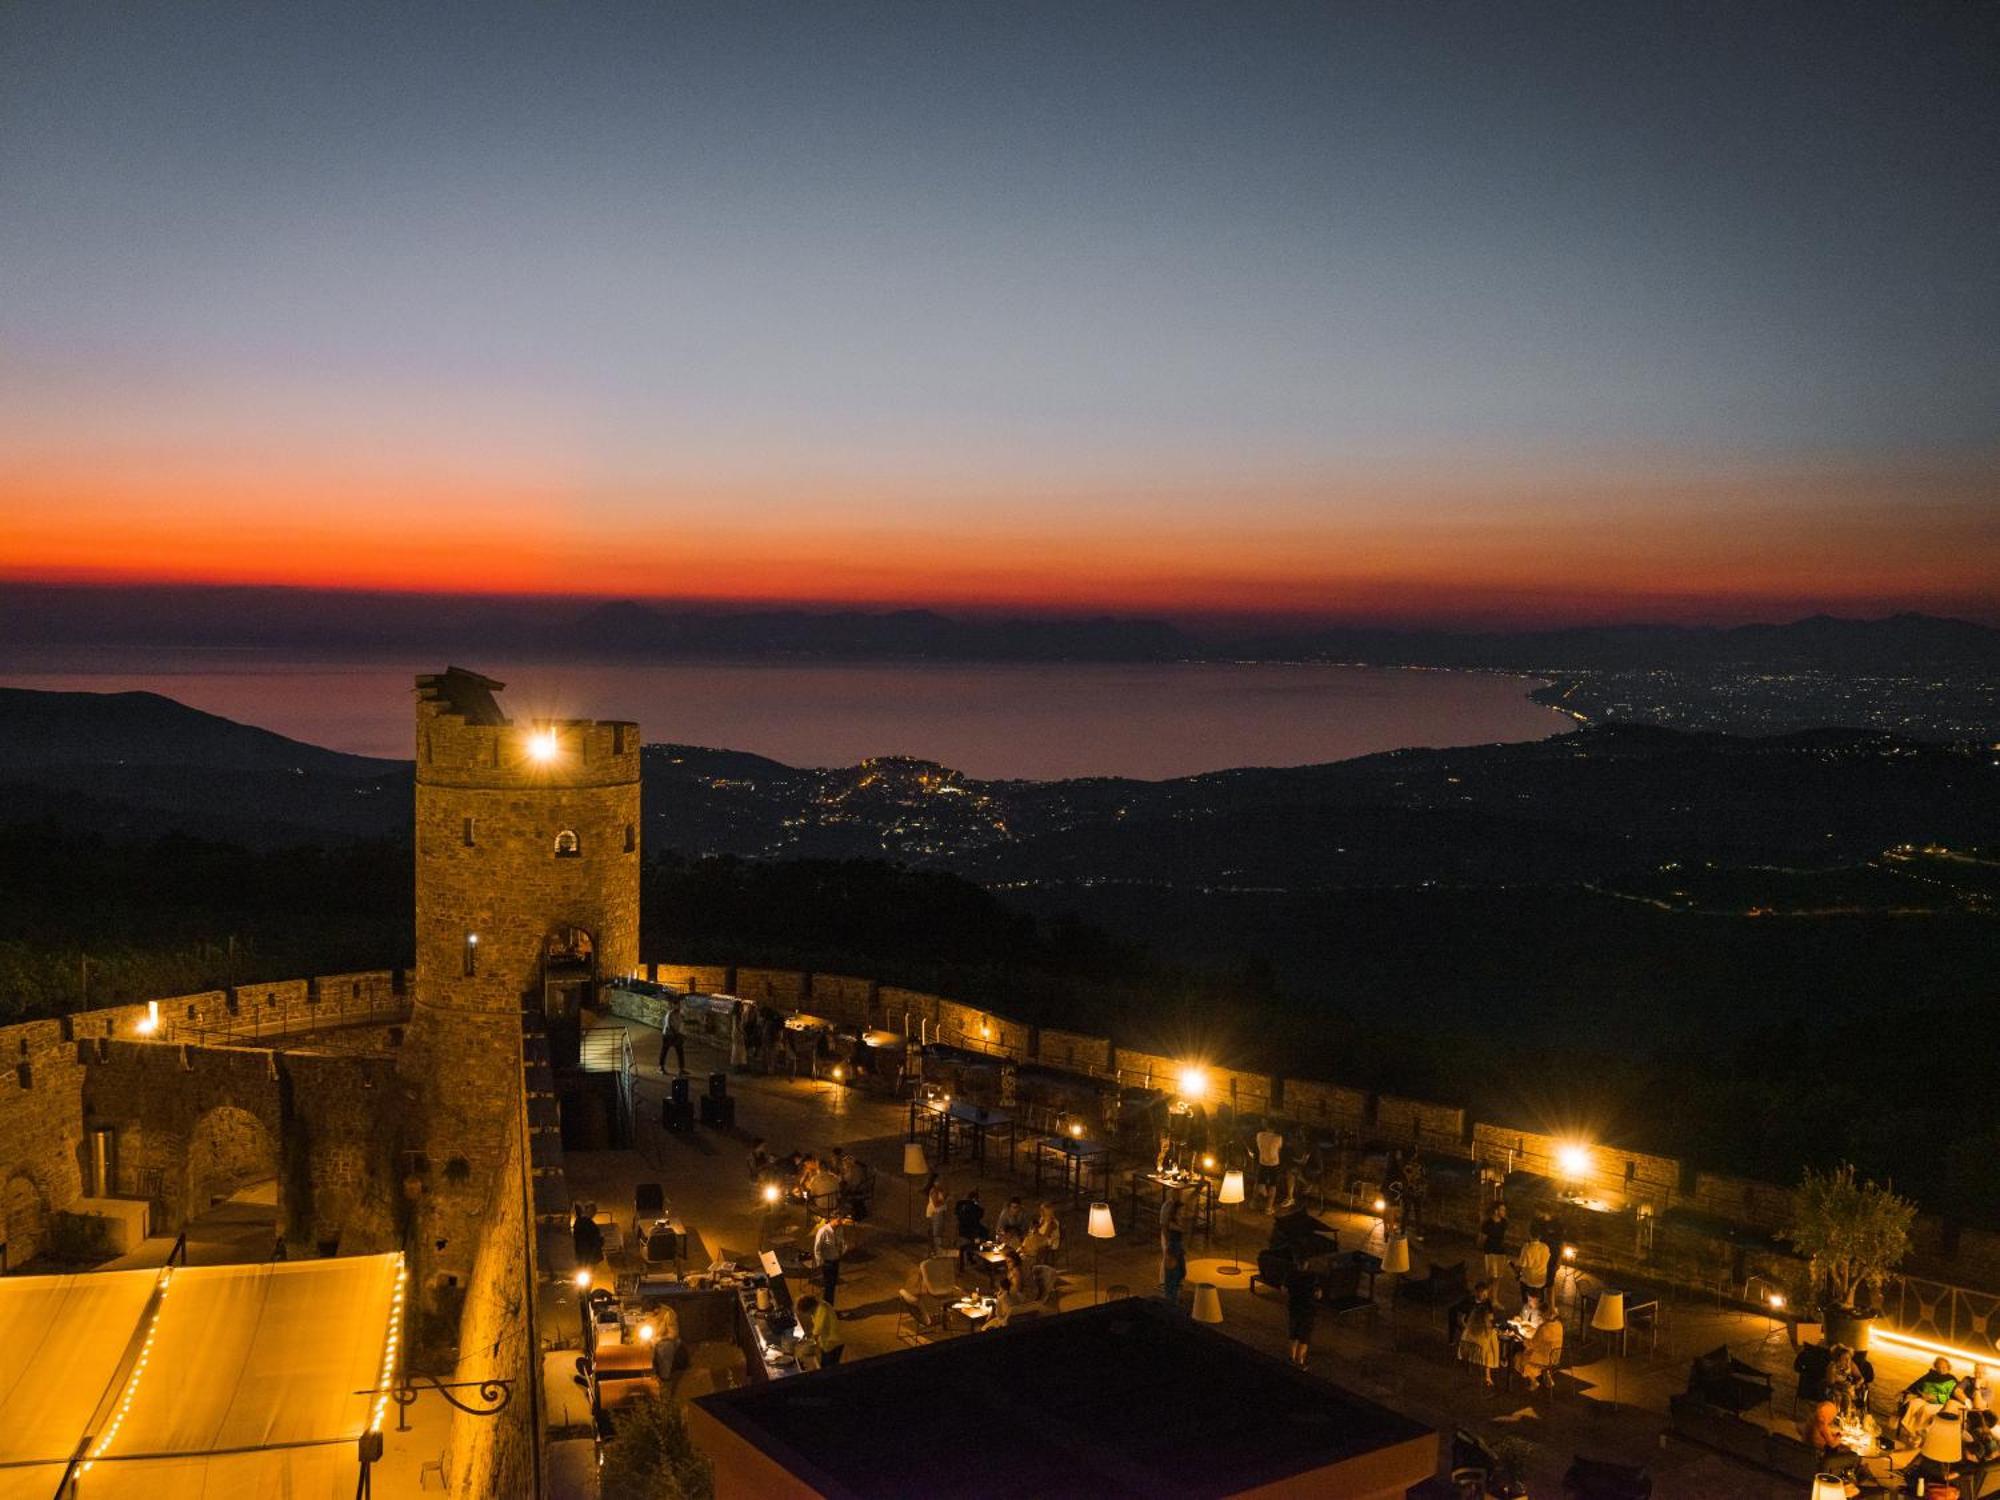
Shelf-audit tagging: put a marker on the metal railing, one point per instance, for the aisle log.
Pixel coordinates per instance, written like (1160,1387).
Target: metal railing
(1940,1313)
(258,1022)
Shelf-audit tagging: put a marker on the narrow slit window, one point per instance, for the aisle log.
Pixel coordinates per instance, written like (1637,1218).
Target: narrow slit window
(631,838)
(471,955)
(471,832)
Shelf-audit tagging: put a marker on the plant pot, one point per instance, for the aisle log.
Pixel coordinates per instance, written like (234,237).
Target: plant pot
(1854,1329)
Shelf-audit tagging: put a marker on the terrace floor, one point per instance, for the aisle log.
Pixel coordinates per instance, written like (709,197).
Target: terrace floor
(1401,1361)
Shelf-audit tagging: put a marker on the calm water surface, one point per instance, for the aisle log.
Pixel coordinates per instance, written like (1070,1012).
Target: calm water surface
(1036,721)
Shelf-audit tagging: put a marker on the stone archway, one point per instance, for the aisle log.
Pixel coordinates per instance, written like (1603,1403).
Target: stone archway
(229,1149)
(24,1220)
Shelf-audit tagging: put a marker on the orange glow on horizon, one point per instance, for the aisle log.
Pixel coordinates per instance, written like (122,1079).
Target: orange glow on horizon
(1388,544)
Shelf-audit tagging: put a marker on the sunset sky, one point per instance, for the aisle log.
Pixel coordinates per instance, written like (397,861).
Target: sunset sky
(1406,312)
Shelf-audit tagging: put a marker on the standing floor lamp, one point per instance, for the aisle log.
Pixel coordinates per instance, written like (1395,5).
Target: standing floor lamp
(1101,1228)
(1228,1195)
(1396,1263)
(1609,1318)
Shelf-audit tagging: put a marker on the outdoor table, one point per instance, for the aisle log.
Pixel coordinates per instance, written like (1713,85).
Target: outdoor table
(959,1121)
(1172,1184)
(971,1311)
(1080,1165)
(989,1260)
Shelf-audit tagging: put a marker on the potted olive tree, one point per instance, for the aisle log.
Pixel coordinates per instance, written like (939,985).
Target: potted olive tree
(1855,1233)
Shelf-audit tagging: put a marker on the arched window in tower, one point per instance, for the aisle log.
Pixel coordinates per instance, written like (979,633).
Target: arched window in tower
(631,839)
(567,846)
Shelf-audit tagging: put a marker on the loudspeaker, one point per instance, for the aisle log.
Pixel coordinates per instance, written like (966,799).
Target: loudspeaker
(718,1111)
(681,1089)
(718,1085)
(677,1114)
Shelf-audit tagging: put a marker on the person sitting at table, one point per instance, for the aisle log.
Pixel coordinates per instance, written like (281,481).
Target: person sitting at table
(1044,1236)
(762,1162)
(1922,1399)
(1844,1383)
(971,1215)
(1824,1437)
(1012,1225)
(822,1189)
(853,1183)
(1811,1365)
(1537,1361)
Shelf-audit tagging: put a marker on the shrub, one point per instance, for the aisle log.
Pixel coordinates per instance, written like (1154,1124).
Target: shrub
(651,1456)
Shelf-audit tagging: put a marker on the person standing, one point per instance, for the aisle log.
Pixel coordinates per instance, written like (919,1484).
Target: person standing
(819,1322)
(1270,1157)
(586,1239)
(673,1034)
(1173,1253)
(829,1245)
(1493,1241)
(1479,1341)
(1532,1266)
(937,1210)
(1301,1293)
(739,1044)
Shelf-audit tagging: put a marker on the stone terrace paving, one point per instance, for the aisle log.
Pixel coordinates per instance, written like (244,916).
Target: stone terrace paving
(1401,1361)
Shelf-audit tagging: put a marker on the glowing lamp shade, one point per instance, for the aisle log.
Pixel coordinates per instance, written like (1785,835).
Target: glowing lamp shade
(1207,1303)
(1101,1226)
(1828,1487)
(1777,1301)
(542,745)
(1193,1084)
(646,1334)
(1944,1441)
(771,1189)
(914,1164)
(1231,1190)
(1574,1160)
(1396,1256)
(1610,1314)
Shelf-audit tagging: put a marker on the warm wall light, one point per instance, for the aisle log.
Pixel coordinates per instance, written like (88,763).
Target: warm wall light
(1777,1301)
(1574,1160)
(1569,1252)
(542,745)
(1381,1205)
(1194,1084)
(150,1022)
(583,1281)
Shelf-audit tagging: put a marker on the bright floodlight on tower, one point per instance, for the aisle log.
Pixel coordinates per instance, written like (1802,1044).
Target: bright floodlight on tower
(542,745)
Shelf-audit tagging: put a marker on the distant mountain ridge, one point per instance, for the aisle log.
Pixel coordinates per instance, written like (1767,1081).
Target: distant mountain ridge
(36,615)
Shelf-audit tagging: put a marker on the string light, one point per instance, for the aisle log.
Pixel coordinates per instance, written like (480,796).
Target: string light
(389,1347)
(103,1443)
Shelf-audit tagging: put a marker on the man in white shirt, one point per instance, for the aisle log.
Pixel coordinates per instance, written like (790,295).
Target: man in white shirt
(1270,1157)
(829,1244)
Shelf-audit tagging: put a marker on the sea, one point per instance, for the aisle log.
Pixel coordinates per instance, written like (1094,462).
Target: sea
(990,721)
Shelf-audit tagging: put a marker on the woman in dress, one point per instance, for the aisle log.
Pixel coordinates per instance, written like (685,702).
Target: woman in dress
(1479,1343)
(937,1210)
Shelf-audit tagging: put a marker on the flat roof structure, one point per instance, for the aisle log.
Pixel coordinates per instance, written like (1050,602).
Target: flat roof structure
(1127,1399)
(203,1380)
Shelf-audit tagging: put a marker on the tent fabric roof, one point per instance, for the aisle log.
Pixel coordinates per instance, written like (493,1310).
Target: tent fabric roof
(248,1385)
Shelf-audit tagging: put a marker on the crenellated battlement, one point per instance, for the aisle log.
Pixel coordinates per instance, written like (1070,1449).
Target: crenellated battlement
(465,740)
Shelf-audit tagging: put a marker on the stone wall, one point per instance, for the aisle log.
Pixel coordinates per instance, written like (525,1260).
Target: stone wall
(194,1123)
(41,1134)
(784,988)
(489,1456)
(703,979)
(1624,1178)
(1327,1104)
(1072,1049)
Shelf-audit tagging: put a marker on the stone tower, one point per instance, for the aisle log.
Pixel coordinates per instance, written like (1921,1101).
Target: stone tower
(527,893)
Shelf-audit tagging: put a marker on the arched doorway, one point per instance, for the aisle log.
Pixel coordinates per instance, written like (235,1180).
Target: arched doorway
(229,1150)
(569,983)
(24,1220)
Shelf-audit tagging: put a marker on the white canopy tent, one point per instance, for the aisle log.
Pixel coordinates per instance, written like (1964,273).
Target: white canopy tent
(206,1381)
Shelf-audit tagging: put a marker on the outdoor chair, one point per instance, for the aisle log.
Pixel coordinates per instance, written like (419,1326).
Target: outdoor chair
(937,1276)
(649,1202)
(1721,1380)
(1340,1293)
